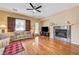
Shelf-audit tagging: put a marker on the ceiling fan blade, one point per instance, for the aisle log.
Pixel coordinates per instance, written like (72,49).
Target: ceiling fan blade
(38,7)
(32,6)
(38,10)
(29,9)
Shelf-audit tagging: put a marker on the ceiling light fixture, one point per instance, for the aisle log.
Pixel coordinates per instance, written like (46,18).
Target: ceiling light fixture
(34,8)
(34,11)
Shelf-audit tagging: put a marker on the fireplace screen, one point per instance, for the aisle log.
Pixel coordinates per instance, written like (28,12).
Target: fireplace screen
(61,33)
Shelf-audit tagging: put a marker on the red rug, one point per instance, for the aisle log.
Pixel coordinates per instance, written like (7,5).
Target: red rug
(13,49)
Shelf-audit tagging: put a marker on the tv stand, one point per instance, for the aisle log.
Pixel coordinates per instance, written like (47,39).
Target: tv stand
(45,33)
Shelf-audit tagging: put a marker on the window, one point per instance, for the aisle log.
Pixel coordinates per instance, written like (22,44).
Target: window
(20,25)
(14,24)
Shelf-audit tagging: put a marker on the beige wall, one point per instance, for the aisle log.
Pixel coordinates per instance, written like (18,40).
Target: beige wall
(4,15)
(61,18)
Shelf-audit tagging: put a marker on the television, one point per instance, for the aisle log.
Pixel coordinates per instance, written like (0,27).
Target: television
(44,29)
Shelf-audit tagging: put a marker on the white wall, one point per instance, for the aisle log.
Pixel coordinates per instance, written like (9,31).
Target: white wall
(61,18)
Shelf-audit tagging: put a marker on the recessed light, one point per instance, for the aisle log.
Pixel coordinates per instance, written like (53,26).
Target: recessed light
(15,9)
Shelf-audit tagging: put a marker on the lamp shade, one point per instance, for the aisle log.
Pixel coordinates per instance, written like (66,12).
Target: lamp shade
(3,26)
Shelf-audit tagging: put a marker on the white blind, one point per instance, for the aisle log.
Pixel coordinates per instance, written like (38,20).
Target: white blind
(20,25)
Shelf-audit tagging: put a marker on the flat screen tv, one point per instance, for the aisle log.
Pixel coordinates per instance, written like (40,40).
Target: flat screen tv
(45,29)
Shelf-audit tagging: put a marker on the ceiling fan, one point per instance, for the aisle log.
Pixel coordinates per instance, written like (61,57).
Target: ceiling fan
(34,8)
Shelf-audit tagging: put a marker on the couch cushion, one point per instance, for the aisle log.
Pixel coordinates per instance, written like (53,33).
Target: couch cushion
(1,51)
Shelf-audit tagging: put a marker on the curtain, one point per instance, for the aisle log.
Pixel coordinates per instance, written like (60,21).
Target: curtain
(28,25)
(11,24)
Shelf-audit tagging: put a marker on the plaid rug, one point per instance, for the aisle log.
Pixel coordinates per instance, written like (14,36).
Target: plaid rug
(13,49)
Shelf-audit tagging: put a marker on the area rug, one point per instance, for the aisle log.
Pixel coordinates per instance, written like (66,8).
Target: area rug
(13,49)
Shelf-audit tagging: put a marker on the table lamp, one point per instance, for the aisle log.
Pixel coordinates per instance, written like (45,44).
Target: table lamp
(3,28)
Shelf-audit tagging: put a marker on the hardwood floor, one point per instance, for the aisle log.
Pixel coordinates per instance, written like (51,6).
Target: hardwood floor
(45,46)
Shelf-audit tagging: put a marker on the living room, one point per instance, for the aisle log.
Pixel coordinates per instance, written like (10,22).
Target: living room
(39,28)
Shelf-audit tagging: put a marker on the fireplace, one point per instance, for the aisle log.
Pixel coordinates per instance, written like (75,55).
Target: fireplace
(61,33)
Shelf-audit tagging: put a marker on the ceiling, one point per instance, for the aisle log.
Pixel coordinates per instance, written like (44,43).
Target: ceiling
(47,9)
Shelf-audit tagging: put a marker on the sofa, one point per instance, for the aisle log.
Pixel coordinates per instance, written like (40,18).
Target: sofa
(4,41)
(21,35)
